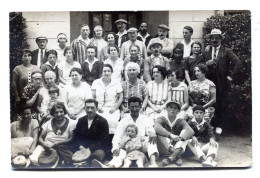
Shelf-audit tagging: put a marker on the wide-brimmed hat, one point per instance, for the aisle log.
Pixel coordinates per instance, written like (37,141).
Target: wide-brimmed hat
(81,155)
(20,162)
(216,31)
(163,26)
(174,102)
(154,43)
(48,158)
(121,20)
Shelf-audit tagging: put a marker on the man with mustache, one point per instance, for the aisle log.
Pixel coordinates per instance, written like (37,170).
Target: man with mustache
(162,38)
(224,68)
(122,33)
(39,56)
(143,35)
(79,45)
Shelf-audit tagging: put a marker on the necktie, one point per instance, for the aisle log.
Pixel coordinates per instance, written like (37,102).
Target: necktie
(215,55)
(41,56)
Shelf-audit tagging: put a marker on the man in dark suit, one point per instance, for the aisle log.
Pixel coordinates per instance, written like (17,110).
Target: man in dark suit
(90,135)
(224,68)
(39,56)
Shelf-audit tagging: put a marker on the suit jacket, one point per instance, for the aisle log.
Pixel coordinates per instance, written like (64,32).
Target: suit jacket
(96,137)
(228,64)
(124,39)
(95,73)
(147,40)
(35,57)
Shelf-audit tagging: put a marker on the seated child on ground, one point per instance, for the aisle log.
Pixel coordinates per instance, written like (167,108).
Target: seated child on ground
(203,143)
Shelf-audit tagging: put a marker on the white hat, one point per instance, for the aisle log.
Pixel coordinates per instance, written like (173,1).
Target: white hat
(216,32)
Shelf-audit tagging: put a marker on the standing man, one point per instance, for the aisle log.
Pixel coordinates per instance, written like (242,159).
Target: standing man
(187,41)
(143,35)
(39,56)
(62,40)
(92,68)
(90,136)
(224,67)
(162,38)
(122,33)
(125,48)
(79,45)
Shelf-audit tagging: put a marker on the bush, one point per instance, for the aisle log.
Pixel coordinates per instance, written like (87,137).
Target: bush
(237,31)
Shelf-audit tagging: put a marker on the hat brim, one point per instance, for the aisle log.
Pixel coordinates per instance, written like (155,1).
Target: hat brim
(155,44)
(173,102)
(208,35)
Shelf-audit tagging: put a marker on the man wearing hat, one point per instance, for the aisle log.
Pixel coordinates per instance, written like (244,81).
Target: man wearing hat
(39,56)
(173,133)
(166,42)
(79,45)
(155,59)
(125,48)
(143,35)
(122,33)
(220,61)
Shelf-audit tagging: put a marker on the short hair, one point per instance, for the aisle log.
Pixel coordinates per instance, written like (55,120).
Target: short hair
(52,51)
(202,67)
(91,47)
(134,65)
(177,73)
(113,45)
(111,33)
(134,45)
(98,26)
(58,105)
(22,107)
(76,69)
(66,49)
(178,46)
(197,43)
(109,66)
(62,34)
(36,72)
(83,25)
(162,70)
(198,107)
(54,89)
(92,101)
(132,126)
(50,73)
(142,23)
(189,28)
(29,52)
(134,99)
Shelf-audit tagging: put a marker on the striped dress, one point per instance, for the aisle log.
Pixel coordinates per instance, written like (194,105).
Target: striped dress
(178,93)
(79,48)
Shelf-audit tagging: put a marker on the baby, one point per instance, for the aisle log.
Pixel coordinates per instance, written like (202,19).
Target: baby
(133,146)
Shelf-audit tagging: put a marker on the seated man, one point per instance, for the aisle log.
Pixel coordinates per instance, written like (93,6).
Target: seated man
(91,134)
(203,140)
(173,133)
(145,129)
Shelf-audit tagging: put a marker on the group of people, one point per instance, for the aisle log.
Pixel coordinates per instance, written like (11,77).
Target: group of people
(126,97)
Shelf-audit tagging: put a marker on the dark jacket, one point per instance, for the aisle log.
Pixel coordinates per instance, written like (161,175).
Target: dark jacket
(95,73)
(124,39)
(96,137)
(35,57)
(147,40)
(205,133)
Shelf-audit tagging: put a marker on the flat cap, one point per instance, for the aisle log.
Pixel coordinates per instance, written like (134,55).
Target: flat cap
(173,102)
(154,43)
(41,38)
(163,26)
(132,30)
(121,20)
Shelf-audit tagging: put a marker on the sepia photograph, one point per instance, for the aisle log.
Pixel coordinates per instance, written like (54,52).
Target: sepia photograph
(130,90)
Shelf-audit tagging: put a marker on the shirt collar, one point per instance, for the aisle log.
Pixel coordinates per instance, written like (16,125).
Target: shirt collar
(142,36)
(198,124)
(191,41)
(95,60)
(217,48)
(81,39)
(48,63)
(121,34)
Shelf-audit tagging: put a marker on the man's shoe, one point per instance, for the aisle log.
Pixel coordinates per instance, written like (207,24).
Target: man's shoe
(166,161)
(179,161)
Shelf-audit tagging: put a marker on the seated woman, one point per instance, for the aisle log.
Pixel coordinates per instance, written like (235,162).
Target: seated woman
(77,93)
(109,95)
(133,87)
(65,66)
(24,133)
(190,62)
(157,93)
(178,90)
(116,63)
(135,57)
(201,91)
(56,131)
(111,39)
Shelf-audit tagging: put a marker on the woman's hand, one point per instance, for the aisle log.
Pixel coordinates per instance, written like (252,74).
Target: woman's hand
(72,116)
(112,110)
(158,110)
(142,110)
(100,110)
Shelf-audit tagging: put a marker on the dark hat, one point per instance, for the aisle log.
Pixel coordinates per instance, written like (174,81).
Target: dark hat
(163,26)
(154,43)
(48,158)
(41,38)
(132,30)
(173,102)
(198,107)
(121,20)
(27,51)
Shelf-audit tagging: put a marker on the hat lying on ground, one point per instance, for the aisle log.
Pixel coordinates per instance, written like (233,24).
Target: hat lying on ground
(81,155)
(48,158)
(20,162)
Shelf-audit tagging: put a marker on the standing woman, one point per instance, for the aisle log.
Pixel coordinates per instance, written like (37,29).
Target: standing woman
(116,63)
(77,93)
(134,87)
(111,39)
(98,40)
(195,59)
(22,74)
(66,65)
(157,93)
(109,95)
(178,90)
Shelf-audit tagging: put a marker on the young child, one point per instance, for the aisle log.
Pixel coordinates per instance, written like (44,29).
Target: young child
(133,146)
(203,143)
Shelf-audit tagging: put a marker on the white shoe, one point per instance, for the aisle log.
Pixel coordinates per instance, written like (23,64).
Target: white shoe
(153,165)
(208,163)
(97,164)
